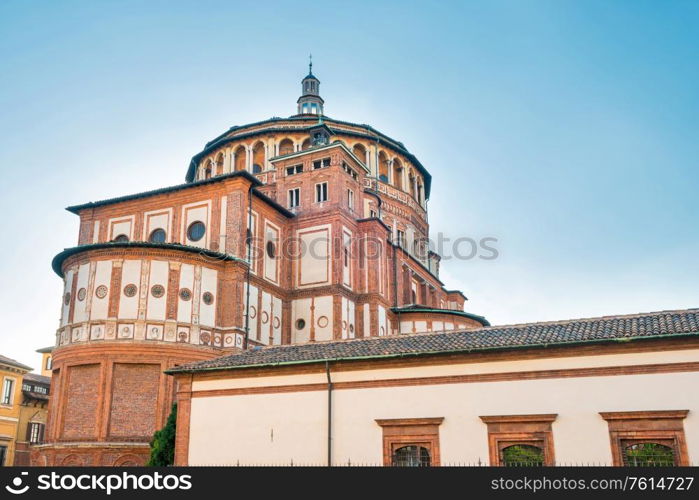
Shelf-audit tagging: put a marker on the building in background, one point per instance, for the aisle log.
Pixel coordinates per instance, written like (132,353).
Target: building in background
(46,360)
(11,375)
(33,411)
(287,231)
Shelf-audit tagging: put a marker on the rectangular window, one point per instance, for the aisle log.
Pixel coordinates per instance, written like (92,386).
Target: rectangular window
(411,442)
(321,192)
(350,199)
(647,438)
(27,387)
(7,390)
(48,363)
(400,238)
(36,432)
(295,169)
(3,455)
(520,440)
(372,214)
(294,196)
(325,162)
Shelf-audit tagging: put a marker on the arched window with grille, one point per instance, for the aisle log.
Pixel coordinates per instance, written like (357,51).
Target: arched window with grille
(522,455)
(411,456)
(649,455)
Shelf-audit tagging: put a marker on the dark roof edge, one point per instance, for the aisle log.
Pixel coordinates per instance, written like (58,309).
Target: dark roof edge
(57,262)
(173,371)
(273,203)
(475,317)
(44,350)
(241,173)
(382,139)
(14,363)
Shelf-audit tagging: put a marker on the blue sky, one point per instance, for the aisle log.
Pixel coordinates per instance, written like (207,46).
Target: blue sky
(567,130)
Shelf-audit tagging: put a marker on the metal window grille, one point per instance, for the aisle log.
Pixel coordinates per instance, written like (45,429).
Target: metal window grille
(522,455)
(411,456)
(649,455)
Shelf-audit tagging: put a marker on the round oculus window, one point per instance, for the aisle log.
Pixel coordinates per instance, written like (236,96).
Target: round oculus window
(185,294)
(66,298)
(196,231)
(130,290)
(300,324)
(208,298)
(101,291)
(81,294)
(157,236)
(157,291)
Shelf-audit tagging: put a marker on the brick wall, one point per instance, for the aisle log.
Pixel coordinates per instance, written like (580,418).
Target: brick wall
(80,412)
(135,388)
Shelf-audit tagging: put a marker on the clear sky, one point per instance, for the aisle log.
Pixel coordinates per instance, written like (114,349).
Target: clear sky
(568,130)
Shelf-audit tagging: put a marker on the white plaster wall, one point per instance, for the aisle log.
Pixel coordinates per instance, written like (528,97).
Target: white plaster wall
(367,321)
(315,245)
(184,307)
(270,263)
(80,311)
(579,433)
(277,320)
(209,283)
(196,212)
(103,273)
(324,307)
(265,326)
(383,323)
(67,287)
(157,220)
(130,274)
(121,226)
(349,328)
(301,309)
(156,308)
(253,311)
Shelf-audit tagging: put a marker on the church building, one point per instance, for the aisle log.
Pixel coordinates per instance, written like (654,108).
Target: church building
(286,231)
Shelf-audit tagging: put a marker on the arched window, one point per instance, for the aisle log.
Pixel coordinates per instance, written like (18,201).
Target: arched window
(258,158)
(397,174)
(286,146)
(219,164)
(411,184)
(122,238)
(240,157)
(383,167)
(522,455)
(306,144)
(206,172)
(649,455)
(360,152)
(411,456)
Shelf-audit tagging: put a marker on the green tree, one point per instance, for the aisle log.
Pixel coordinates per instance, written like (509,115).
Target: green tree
(162,447)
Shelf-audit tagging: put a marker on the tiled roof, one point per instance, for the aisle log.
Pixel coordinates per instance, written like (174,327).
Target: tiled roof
(38,379)
(11,362)
(664,324)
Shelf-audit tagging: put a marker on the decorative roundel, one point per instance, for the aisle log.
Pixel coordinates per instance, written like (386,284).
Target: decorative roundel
(323,321)
(229,340)
(208,298)
(185,294)
(130,290)
(300,324)
(154,332)
(157,291)
(276,322)
(196,231)
(81,294)
(101,292)
(205,337)
(351,328)
(66,298)
(264,317)
(253,312)
(382,331)
(271,249)
(344,325)
(182,336)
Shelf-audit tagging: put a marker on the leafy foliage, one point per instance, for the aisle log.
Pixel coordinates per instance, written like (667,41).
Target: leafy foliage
(522,455)
(162,447)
